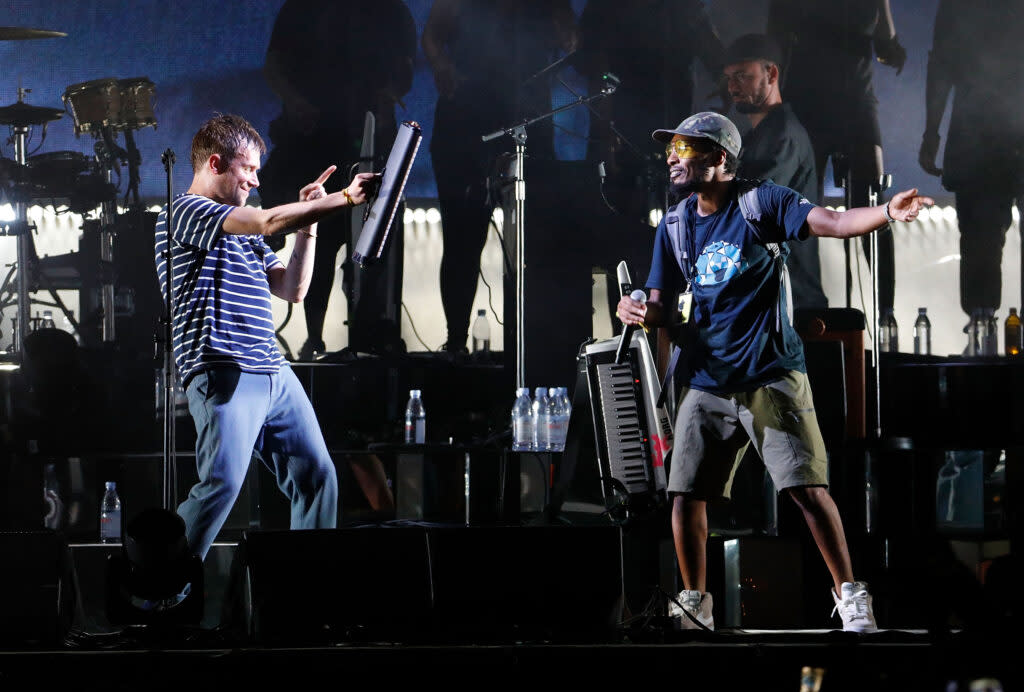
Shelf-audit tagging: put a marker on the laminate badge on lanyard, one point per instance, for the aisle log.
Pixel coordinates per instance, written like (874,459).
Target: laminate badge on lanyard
(685,304)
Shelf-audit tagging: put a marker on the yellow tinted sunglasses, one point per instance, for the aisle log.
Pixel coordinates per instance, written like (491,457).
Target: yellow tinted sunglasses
(684,149)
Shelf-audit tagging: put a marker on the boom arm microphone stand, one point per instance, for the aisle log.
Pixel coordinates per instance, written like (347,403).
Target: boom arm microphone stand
(170,476)
(518,134)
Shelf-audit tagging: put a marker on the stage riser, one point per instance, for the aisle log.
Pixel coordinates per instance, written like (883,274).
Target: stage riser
(428,583)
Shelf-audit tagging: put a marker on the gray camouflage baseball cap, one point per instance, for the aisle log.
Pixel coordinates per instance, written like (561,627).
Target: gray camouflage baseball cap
(706,125)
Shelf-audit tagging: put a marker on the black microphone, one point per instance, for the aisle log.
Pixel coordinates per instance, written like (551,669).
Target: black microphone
(627,332)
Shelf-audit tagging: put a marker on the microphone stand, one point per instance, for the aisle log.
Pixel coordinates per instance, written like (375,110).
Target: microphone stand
(170,476)
(518,134)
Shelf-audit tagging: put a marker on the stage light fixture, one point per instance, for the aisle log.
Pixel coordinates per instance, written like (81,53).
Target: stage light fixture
(156,580)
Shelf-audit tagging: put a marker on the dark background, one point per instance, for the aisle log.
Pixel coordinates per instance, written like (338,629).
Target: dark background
(204,60)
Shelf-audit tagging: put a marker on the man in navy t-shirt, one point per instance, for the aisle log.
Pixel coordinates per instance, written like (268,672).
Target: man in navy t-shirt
(242,394)
(742,375)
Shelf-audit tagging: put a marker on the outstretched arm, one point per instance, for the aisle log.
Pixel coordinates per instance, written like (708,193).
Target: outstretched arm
(903,206)
(290,217)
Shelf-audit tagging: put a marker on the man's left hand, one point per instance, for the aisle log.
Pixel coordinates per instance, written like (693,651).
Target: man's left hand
(906,205)
(363,186)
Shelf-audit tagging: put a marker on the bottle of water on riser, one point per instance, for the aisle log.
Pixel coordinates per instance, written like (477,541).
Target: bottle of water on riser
(539,412)
(481,333)
(550,421)
(415,419)
(922,333)
(561,426)
(522,421)
(110,515)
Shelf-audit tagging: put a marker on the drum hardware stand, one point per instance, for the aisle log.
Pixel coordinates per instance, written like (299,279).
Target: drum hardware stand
(24,243)
(518,134)
(170,476)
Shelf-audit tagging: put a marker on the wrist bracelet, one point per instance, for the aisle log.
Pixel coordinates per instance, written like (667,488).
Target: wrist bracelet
(888,216)
(344,191)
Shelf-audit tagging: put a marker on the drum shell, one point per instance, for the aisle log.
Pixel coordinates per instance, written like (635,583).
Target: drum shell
(66,175)
(94,104)
(137,96)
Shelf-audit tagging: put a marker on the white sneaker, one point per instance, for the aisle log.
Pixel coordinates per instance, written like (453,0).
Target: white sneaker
(693,612)
(854,607)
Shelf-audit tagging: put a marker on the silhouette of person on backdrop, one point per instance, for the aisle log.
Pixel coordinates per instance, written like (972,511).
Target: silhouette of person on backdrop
(639,43)
(983,163)
(482,54)
(330,63)
(827,50)
(776,147)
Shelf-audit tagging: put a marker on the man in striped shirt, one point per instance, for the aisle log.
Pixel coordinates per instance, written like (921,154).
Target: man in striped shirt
(242,395)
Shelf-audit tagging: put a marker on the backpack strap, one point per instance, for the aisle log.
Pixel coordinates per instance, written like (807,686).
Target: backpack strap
(750,206)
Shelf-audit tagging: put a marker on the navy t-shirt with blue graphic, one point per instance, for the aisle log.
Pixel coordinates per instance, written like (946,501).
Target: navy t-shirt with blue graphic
(745,339)
(222,308)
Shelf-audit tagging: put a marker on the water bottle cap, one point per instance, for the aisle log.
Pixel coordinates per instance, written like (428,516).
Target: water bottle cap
(523,391)
(552,391)
(111,485)
(922,311)
(414,393)
(481,312)
(540,391)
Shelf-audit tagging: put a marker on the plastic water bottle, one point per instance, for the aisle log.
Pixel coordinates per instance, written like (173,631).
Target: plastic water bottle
(47,321)
(538,411)
(1013,334)
(922,333)
(991,342)
(522,421)
(550,419)
(415,419)
(888,335)
(481,333)
(110,515)
(561,427)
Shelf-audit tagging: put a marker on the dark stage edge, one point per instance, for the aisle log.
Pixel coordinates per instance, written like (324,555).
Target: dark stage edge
(887,660)
(646,651)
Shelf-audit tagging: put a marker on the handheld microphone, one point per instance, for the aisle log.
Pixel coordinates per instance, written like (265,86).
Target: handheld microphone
(627,332)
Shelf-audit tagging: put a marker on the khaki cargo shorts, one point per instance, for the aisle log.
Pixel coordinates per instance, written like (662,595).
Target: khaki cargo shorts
(712,432)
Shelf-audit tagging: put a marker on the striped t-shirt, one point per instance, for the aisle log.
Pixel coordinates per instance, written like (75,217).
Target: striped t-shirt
(222,311)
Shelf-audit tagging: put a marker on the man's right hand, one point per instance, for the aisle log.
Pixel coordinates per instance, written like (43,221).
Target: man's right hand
(631,311)
(928,153)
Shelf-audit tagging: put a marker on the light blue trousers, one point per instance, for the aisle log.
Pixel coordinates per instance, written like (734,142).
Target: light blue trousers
(237,415)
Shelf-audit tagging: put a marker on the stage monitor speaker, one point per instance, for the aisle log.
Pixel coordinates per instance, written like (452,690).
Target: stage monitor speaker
(757,581)
(522,583)
(38,584)
(317,586)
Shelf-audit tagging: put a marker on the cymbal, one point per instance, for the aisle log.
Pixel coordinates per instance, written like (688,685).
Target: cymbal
(16,33)
(23,114)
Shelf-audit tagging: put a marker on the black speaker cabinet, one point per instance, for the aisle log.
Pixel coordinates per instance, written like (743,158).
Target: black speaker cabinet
(427,583)
(330,585)
(38,583)
(528,583)
(757,582)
